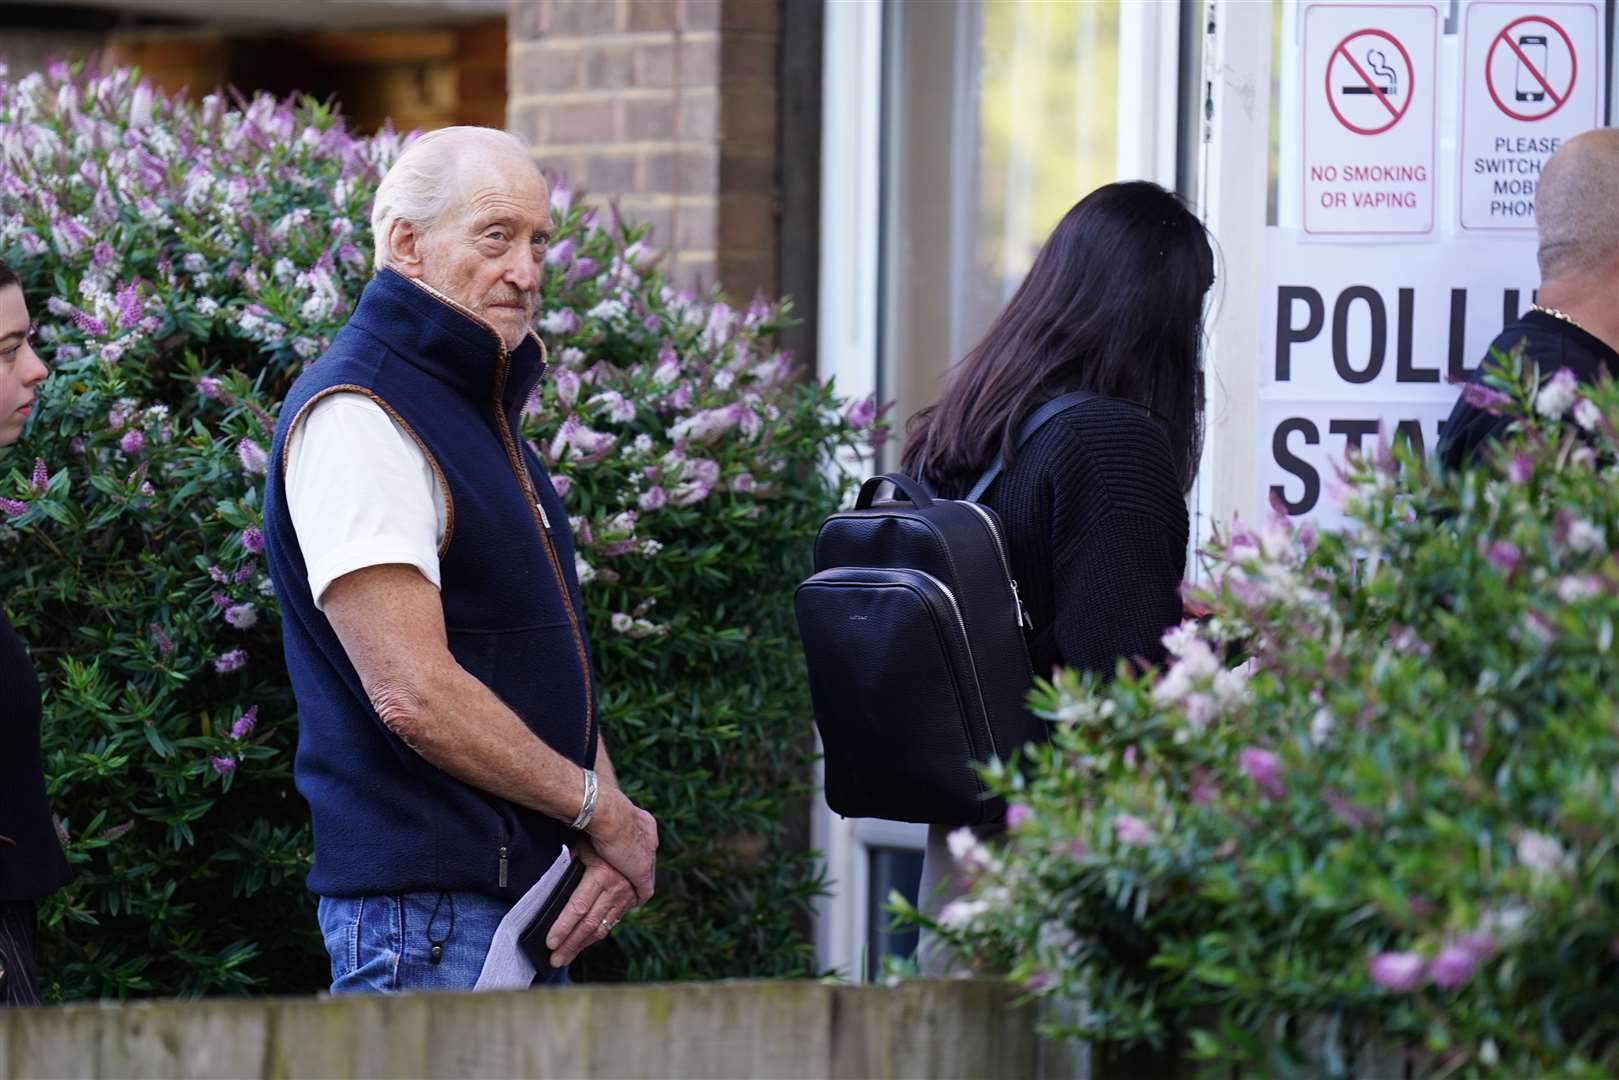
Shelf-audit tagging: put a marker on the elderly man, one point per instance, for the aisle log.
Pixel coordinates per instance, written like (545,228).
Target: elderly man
(1574,322)
(448,740)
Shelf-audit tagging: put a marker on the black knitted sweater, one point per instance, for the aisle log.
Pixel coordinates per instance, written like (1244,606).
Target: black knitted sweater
(1096,524)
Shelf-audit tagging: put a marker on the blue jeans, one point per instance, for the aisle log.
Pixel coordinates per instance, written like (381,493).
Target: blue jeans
(383,944)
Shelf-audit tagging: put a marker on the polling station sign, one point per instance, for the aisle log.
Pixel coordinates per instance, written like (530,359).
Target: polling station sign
(1363,349)
(1368,133)
(1532,77)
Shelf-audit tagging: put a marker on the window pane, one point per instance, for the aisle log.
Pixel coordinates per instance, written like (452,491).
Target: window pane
(892,869)
(998,116)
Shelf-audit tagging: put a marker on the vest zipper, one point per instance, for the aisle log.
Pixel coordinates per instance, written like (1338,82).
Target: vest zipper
(520,471)
(504,853)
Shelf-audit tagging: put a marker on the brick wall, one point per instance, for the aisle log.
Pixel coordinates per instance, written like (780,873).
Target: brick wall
(671,107)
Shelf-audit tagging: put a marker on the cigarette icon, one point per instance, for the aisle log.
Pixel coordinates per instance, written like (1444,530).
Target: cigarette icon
(1388,80)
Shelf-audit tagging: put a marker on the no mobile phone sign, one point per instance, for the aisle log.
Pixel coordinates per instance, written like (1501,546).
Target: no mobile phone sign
(1531,79)
(1369,118)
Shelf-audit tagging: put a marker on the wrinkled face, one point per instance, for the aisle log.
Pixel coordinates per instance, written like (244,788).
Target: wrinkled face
(21,370)
(488,251)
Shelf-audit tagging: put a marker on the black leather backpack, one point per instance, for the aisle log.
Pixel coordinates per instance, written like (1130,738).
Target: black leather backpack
(918,666)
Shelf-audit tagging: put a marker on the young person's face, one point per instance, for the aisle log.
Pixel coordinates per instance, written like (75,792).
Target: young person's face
(21,369)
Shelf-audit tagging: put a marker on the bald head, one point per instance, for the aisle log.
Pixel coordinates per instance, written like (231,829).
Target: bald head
(434,174)
(1577,206)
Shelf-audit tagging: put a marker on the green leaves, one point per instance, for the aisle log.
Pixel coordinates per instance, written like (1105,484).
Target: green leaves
(235,243)
(1437,688)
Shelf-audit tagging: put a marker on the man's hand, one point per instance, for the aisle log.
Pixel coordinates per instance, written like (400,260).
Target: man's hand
(626,838)
(601,899)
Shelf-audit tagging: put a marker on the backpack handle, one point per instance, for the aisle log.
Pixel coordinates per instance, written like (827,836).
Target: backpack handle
(914,490)
(1034,423)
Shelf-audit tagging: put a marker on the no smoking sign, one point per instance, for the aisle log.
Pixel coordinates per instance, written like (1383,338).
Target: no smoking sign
(1369,118)
(1531,74)
(1371,94)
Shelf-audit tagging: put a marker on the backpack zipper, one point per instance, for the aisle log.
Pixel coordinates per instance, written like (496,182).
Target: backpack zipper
(1006,566)
(972,664)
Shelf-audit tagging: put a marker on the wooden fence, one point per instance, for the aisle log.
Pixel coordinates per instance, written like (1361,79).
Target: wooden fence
(738,1029)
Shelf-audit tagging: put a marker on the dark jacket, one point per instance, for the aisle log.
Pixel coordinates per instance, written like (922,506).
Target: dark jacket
(1548,341)
(31,860)
(1096,528)
(385,820)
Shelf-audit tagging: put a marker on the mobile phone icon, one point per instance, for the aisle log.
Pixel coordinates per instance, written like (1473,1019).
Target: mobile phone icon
(1531,47)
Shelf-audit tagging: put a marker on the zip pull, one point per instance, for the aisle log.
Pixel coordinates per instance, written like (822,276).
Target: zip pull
(1022,615)
(541,508)
(503,853)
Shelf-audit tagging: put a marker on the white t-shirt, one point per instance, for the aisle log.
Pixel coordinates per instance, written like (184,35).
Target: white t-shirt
(361,493)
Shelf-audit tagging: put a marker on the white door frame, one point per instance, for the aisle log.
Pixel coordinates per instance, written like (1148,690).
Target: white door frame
(1234,134)
(847,347)
(849,328)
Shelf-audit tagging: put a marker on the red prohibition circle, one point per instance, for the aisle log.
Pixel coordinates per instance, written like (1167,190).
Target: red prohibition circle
(1557,101)
(1397,115)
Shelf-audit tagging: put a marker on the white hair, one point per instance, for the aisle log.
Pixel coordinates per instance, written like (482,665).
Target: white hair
(425,182)
(1577,205)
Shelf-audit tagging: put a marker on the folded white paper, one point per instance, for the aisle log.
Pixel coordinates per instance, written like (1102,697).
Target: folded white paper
(507,967)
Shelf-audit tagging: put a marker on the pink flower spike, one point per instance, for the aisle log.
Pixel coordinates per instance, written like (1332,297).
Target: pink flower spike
(210,388)
(89,323)
(1504,555)
(1482,397)
(860,414)
(132,441)
(1400,972)
(253,458)
(42,477)
(223,765)
(1264,768)
(1132,831)
(1452,966)
(13,508)
(253,539)
(165,644)
(231,661)
(1520,470)
(245,724)
(129,307)
(1017,814)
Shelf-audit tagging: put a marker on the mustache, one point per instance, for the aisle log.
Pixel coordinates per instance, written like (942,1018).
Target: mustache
(526,301)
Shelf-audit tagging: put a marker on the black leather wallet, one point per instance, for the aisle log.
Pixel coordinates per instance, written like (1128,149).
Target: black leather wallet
(532,940)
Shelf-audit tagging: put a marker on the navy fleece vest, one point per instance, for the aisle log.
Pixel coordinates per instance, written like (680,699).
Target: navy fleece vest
(385,820)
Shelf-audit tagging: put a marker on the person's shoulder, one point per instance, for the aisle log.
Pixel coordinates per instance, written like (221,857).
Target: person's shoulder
(1107,454)
(1103,429)
(1547,341)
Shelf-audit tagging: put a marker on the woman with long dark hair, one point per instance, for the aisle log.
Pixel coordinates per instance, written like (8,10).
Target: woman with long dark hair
(1094,506)
(31,862)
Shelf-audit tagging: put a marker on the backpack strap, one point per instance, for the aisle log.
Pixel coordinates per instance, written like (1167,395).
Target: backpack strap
(1034,423)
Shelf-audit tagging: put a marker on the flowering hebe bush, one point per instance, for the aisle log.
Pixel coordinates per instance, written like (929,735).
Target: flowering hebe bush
(184,261)
(1392,825)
